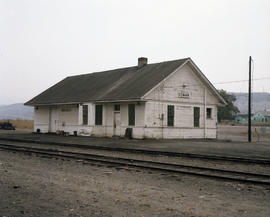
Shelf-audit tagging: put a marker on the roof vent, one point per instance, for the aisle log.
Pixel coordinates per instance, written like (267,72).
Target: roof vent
(142,61)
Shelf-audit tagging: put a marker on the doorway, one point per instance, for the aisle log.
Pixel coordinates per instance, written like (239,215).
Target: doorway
(53,120)
(117,124)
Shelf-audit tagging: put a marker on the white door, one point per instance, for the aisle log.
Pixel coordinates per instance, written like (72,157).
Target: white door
(117,123)
(53,120)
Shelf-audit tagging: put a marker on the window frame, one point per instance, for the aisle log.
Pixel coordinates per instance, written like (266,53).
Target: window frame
(209,115)
(195,123)
(85,114)
(170,115)
(98,114)
(131,115)
(117,107)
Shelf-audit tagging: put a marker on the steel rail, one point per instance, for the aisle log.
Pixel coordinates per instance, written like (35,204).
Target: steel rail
(144,151)
(165,167)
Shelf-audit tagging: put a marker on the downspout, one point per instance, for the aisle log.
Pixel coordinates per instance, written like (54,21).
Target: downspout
(204,113)
(50,119)
(104,119)
(144,120)
(57,112)
(162,123)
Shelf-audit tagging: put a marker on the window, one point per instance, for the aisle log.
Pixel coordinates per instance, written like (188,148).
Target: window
(170,115)
(196,116)
(98,119)
(116,107)
(131,114)
(209,113)
(85,114)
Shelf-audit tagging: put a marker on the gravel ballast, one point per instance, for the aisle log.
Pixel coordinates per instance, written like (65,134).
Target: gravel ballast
(39,186)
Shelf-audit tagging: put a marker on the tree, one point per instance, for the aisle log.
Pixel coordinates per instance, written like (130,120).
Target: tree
(227,112)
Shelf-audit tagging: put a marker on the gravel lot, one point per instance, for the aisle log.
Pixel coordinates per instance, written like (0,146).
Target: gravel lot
(38,186)
(240,133)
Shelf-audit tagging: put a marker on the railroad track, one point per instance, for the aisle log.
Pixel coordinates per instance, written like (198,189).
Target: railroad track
(262,161)
(143,164)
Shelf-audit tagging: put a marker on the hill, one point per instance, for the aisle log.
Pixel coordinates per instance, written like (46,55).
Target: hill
(16,111)
(260,101)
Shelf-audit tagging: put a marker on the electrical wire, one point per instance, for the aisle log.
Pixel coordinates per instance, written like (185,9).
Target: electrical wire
(238,81)
(230,82)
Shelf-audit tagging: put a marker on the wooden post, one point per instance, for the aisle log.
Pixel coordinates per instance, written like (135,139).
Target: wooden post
(249,101)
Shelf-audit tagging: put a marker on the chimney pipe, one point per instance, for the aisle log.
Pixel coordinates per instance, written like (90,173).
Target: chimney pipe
(142,61)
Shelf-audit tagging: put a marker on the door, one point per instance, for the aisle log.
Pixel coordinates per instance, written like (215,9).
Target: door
(196,116)
(117,123)
(53,120)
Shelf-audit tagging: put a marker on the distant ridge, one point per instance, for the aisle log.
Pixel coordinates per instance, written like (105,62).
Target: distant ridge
(260,101)
(16,111)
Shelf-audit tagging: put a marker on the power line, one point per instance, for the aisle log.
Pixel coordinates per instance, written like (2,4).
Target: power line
(238,81)
(226,82)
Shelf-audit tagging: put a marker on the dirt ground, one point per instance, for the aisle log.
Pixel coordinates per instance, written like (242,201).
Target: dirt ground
(38,186)
(240,133)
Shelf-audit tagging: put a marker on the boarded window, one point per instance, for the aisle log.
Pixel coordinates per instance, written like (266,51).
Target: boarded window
(85,114)
(170,115)
(209,112)
(98,119)
(116,107)
(196,116)
(131,114)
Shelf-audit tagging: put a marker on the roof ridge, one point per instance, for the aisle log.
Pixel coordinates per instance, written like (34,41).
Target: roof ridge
(93,73)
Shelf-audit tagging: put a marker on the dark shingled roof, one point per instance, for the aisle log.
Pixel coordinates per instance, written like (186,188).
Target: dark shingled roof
(114,85)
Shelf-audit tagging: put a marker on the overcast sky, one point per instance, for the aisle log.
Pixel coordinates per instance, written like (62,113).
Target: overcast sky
(42,42)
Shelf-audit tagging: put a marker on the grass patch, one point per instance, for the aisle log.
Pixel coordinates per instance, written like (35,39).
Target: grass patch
(22,124)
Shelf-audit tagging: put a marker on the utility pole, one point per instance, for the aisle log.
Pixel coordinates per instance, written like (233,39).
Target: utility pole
(249,101)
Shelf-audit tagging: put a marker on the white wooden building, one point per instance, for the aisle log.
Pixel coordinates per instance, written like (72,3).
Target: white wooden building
(170,99)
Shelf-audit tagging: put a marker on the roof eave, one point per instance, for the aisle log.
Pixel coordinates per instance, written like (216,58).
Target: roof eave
(88,101)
